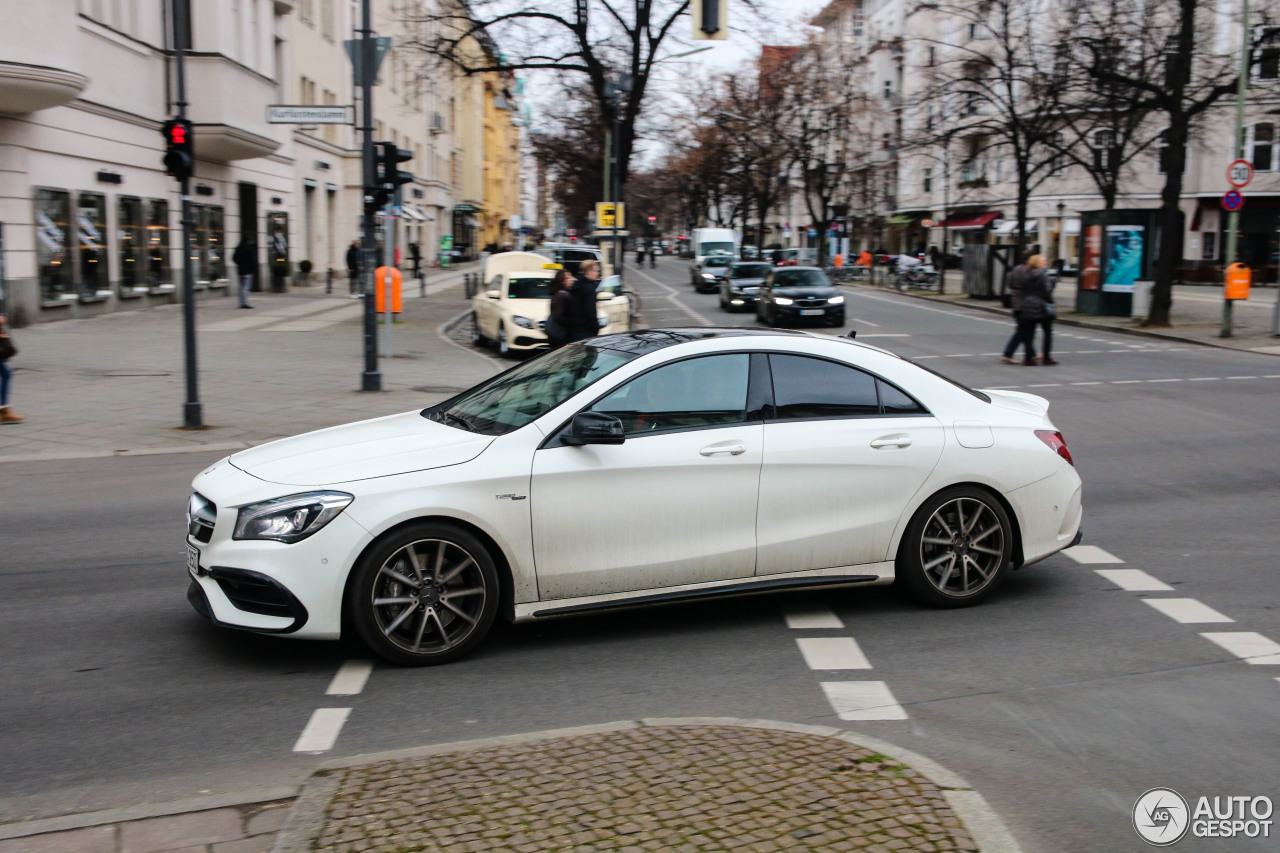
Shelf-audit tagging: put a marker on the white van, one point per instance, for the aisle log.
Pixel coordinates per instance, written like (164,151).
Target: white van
(707,242)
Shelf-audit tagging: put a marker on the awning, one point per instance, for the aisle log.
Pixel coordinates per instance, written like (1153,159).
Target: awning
(412,212)
(901,221)
(464,207)
(1009,226)
(969,223)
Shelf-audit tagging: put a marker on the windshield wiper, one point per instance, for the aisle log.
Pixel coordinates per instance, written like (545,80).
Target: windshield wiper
(458,420)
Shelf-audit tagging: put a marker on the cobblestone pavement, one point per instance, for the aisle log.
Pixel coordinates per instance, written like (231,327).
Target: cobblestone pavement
(679,788)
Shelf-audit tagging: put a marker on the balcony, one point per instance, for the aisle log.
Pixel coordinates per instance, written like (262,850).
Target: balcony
(229,109)
(41,61)
(27,88)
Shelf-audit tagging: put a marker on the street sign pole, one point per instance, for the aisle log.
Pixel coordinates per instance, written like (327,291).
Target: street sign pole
(1237,151)
(366,70)
(192,414)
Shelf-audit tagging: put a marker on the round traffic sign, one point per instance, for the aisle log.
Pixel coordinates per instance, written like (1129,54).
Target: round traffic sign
(927,223)
(1240,173)
(1232,200)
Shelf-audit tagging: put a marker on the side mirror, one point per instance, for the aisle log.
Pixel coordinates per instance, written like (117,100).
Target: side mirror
(493,294)
(593,428)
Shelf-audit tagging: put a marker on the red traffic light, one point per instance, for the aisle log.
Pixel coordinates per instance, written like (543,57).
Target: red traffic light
(653,219)
(177,135)
(179,155)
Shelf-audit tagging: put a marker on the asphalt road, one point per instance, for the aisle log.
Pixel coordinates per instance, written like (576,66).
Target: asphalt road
(1062,699)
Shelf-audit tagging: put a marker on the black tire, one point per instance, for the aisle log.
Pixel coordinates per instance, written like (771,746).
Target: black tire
(477,339)
(430,614)
(963,524)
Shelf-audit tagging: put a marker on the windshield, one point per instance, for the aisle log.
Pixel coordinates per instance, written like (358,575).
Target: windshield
(716,262)
(526,392)
(611,285)
(713,248)
(529,288)
(751,270)
(800,278)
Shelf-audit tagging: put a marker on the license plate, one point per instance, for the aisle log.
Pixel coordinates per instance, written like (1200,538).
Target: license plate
(811,312)
(193,561)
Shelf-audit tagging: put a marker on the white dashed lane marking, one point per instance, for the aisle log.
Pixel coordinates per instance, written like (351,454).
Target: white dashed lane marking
(825,653)
(1249,646)
(1134,580)
(1090,554)
(812,618)
(1188,611)
(322,730)
(351,678)
(863,700)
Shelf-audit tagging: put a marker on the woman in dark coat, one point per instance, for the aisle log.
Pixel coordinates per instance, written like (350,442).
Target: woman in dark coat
(557,327)
(1029,289)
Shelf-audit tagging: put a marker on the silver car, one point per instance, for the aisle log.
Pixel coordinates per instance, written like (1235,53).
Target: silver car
(740,283)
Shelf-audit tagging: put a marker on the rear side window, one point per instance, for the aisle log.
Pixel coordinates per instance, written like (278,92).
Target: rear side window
(814,388)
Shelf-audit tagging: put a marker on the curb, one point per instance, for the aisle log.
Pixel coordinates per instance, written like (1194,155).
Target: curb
(307,818)
(251,797)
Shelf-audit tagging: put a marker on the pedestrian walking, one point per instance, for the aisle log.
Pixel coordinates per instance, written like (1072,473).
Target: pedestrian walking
(640,255)
(582,302)
(353,267)
(415,258)
(557,327)
(7,351)
(1028,291)
(245,258)
(1044,283)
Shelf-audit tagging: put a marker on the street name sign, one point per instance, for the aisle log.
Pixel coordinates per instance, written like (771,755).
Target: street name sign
(1232,200)
(1240,173)
(310,114)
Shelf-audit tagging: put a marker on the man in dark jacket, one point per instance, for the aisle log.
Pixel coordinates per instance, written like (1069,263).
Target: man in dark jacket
(245,258)
(582,306)
(353,267)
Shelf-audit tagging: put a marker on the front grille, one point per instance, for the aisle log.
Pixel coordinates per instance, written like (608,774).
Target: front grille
(811,302)
(255,593)
(202,515)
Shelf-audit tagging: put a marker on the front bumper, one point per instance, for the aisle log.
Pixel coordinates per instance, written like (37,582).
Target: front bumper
(792,313)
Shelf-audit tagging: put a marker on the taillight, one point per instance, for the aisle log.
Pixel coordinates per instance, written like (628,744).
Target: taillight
(1056,443)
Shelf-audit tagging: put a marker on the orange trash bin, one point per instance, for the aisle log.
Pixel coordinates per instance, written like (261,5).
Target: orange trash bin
(380,286)
(1239,278)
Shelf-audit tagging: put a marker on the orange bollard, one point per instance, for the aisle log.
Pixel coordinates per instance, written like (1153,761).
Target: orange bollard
(1239,279)
(380,286)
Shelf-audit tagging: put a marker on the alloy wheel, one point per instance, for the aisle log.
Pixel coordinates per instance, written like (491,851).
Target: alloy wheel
(429,597)
(963,547)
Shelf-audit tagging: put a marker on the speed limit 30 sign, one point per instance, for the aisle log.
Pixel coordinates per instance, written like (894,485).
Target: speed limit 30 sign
(1240,173)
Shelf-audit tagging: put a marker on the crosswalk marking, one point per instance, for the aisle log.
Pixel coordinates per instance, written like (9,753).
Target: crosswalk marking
(1134,580)
(1188,611)
(811,618)
(1249,646)
(863,700)
(321,732)
(824,653)
(1090,554)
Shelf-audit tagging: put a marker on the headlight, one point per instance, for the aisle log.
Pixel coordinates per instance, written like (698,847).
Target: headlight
(522,322)
(782,300)
(291,518)
(709,275)
(836,300)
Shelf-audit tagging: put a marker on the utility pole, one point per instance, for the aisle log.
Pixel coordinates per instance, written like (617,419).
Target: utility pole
(371,379)
(192,416)
(1237,152)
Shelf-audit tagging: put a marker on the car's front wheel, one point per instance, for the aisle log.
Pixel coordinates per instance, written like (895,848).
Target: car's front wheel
(426,594)
(957,548)
(504,345)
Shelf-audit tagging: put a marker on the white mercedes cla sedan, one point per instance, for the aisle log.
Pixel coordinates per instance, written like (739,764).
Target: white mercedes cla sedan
(631,470)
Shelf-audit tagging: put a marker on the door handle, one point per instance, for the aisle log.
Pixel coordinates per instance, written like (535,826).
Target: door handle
(731,449)
(892,441)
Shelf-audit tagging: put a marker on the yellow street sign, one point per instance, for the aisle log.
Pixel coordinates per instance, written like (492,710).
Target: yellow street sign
(605,215)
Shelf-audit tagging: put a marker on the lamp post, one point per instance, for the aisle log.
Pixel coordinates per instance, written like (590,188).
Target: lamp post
(617,92)
(1237,151)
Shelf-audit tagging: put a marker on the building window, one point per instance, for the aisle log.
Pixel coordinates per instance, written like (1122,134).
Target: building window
(1103,143)
(933,57)
(927,182)
(306,11)
(888,90)
(1210,240)
(1260,144)
(208,256)
(158,243)
(53,243)
(1266,63)
(91,232)
(1163,157)
(326,18)
(132,249)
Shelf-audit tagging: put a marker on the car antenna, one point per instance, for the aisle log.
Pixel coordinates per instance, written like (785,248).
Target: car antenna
(851,334)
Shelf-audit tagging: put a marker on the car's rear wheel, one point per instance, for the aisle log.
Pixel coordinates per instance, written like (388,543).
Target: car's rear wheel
(957,548)
(426,594)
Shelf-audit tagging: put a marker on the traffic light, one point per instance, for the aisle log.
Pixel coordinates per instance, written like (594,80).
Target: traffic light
(180,151)
(386,171)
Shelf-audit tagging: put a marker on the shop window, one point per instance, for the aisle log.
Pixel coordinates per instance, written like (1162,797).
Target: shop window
(91,235)
(158,244)
(130,243)
(208,257)
(53,243)
(1260,143)
(1210,246)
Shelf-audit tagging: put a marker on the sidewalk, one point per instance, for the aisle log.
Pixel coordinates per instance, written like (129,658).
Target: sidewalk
(1195,316)
(114,385)
(682,785)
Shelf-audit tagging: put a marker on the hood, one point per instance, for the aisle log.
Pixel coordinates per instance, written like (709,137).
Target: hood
(802,291)
(1019,401)
(745,282)
(534,309)
(363,450)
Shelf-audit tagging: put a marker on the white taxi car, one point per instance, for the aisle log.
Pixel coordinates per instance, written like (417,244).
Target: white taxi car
(512,312)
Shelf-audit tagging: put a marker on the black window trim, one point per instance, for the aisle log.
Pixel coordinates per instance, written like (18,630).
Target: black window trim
(772,416)
(755,416)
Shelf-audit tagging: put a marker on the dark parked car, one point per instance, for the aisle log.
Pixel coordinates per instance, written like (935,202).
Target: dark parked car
(706,276)
(738,288)
(792,294)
